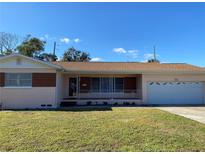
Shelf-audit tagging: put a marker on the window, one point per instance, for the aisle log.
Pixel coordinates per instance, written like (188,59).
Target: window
(95,84)
(106,84)
(119,84)
(18,79)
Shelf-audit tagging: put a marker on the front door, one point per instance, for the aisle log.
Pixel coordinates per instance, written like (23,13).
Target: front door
(72,87)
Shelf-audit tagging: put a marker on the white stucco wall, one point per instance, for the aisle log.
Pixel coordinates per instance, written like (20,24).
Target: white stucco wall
(31,97)
(59,88)
(21,98)
(159,77)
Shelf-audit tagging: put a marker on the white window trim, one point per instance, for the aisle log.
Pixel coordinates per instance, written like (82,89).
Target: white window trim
(13,87)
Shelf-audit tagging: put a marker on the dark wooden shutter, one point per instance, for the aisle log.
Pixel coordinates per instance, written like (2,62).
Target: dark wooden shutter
(130,83)
(84,84)
(44,80)
(2,79)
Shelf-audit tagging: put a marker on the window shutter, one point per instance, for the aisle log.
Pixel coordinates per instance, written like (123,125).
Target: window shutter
(2,79)
(44,80)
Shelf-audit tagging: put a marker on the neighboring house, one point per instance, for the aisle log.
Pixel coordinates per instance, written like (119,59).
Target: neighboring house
(29,83)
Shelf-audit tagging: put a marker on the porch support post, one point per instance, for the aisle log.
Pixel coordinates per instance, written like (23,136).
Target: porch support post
(113,85)
(136,90)
(100,80)
(78,86)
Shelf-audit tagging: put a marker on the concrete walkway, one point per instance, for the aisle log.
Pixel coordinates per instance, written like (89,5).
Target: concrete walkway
(194,113)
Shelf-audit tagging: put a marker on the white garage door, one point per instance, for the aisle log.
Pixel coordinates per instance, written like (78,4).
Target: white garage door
(175,93)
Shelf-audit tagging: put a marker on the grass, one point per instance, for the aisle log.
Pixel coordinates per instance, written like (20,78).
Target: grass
(119,129)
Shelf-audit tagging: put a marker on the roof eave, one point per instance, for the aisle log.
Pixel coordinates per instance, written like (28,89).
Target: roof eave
(32,59)
(132,72)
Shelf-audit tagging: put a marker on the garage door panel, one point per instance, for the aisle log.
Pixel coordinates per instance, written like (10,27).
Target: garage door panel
(175,92)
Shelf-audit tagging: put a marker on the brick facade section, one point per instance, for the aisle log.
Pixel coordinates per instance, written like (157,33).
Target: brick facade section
(44,80)
(85,81)
(2,79)
(130,83)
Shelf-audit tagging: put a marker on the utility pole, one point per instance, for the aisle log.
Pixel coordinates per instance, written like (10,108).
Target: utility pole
(54,48)
(154,53)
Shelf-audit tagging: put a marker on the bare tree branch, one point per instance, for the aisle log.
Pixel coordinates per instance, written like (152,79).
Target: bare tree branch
(8,42)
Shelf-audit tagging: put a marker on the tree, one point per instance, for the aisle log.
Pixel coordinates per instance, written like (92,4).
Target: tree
(153,61)
(74,55)
(8,43)
(31,47)
(47,57)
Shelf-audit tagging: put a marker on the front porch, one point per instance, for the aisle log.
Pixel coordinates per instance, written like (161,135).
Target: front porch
(101,89)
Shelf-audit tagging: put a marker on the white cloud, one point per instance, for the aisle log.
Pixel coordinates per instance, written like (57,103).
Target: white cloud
(95,59)
(77,40)
(149,56)
(119,50)
(46,36)
(65,40)
(129,53)
(133,53)
(42,38)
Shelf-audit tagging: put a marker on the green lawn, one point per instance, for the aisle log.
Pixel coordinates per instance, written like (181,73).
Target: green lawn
(118,129)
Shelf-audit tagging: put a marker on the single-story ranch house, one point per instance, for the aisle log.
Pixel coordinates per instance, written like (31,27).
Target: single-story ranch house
(30,83)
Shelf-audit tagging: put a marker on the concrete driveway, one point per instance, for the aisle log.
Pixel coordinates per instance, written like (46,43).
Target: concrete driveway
(194,113)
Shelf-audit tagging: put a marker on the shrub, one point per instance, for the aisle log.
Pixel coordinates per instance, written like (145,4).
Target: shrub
(89,103)
(116,103)
(105,103)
